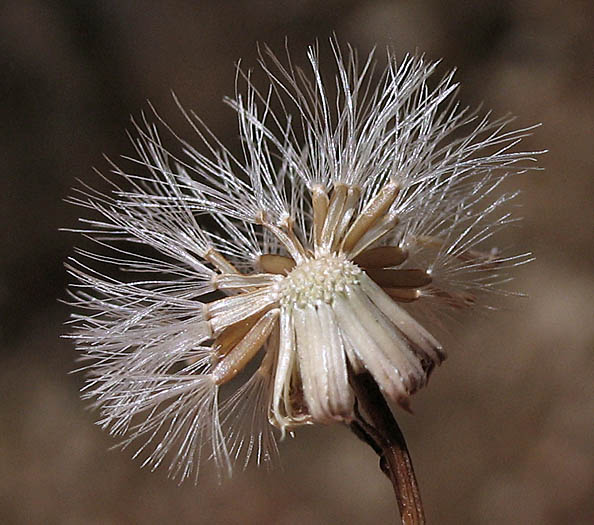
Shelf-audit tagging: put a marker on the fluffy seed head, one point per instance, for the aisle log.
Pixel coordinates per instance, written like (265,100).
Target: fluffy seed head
(342,212)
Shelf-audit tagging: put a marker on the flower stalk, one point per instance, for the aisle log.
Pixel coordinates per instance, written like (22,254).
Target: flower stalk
(383,434)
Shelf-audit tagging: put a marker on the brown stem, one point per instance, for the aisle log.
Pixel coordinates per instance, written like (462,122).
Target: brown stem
(383,434)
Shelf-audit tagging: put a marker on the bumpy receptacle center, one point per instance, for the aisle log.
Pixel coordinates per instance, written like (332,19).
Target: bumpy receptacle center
(317,280)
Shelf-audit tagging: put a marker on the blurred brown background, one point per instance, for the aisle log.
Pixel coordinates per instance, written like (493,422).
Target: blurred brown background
(503,434)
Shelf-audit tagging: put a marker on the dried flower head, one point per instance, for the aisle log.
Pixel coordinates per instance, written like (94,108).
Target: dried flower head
(249,288)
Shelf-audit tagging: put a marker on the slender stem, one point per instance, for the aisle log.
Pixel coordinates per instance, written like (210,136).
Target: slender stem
(383,434)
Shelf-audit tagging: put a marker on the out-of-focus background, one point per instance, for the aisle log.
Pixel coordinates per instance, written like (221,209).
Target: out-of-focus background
(504,433)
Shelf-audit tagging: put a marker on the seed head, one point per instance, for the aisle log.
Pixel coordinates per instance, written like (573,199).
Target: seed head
(247,289)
